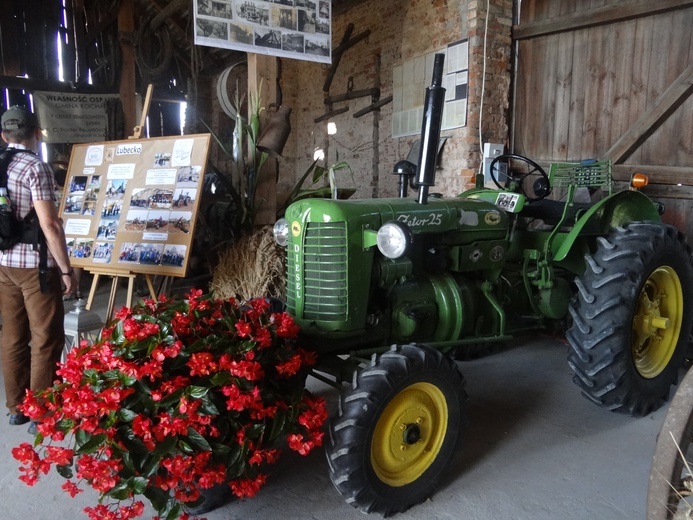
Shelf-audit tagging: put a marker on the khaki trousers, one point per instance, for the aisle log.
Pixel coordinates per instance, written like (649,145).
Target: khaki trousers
(33,335)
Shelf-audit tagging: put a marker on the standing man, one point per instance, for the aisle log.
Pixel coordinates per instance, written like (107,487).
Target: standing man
(32,331)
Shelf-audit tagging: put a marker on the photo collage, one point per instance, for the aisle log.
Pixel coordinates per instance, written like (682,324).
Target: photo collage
(299,29)
(131,205)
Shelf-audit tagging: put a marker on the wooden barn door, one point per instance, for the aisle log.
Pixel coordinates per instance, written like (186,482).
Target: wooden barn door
(609,79)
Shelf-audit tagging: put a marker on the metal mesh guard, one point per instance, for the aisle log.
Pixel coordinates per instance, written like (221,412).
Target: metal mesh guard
(581,174)
(324,273)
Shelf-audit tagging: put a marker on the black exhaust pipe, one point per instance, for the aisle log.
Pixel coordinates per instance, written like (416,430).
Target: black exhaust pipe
(430,130)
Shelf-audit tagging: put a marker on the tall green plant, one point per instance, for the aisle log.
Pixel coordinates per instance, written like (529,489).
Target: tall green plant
(241,182)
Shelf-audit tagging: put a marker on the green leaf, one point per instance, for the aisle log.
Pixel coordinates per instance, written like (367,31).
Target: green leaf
(208,407)
(175,512)
(171,399)
(318,173)
(197,392)
(126,415)
(64,471)
(164,447)
(158,497)
(220,378)
(126,458)
(81,437)
(138,484)
(278,424)
(185,447)
(92,444)
(198,440)
(120,491)
(255,431)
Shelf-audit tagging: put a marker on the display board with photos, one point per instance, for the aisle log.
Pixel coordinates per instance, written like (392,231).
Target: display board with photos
(129,206)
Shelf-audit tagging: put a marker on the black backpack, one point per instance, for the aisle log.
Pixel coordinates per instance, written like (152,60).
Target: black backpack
(13,230)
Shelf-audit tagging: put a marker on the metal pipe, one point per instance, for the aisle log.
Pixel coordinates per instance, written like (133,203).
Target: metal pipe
(430,130)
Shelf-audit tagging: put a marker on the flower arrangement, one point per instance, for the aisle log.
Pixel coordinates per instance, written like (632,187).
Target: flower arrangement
(174,398)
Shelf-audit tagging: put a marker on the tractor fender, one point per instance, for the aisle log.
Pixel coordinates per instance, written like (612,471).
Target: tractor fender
(612,211)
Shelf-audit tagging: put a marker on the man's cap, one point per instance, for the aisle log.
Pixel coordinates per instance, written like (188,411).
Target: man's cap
(17,117)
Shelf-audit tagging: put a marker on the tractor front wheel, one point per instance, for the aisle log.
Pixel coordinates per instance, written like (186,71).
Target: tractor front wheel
(396,429)
(632,318)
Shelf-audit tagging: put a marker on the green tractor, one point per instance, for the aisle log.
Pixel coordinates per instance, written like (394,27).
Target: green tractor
(389,291)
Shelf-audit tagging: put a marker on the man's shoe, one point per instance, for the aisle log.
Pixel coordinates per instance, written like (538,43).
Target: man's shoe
(32,428)
(18,418)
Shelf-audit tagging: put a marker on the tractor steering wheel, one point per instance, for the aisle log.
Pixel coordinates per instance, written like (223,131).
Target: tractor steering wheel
(516,177)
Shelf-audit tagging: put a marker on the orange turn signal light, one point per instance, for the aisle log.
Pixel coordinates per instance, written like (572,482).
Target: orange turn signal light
(638,180)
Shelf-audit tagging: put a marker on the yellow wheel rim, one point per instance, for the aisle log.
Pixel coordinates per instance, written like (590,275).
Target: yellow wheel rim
(657,322)
(409,434)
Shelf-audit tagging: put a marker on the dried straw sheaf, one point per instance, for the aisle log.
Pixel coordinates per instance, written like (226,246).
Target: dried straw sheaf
(252,267)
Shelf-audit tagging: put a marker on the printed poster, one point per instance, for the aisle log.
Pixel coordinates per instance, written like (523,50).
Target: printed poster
(130,206)
(299,29)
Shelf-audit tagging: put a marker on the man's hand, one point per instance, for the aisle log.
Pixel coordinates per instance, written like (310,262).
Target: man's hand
(70,281)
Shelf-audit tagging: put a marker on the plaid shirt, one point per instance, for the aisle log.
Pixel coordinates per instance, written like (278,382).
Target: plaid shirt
(28,179)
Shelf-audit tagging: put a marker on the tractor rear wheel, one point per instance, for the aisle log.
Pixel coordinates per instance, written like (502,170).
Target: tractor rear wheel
(632,317)
(396,430)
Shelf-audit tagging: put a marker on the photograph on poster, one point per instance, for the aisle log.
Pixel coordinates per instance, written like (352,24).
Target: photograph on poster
(92,194)
(292,42)
(157,221)
(73,204)
(80,247)
(151,254)
(188,176)
(268,38)
(136,220)
(89,208)
(284,18)
(94,182)
(306,21)
(130,253)
(153,198)
(253,12)
(77,185)
(241,33)
(184,198)
(324,9)
(317,46)
(180,222)
(107,230)
(162,160)
(103,251)
(111,209)
(173,255)
(115,188)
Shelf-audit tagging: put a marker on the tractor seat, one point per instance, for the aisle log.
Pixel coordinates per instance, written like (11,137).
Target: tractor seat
(551,211)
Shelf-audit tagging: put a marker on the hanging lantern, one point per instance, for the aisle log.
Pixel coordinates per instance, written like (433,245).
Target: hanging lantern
(80,324)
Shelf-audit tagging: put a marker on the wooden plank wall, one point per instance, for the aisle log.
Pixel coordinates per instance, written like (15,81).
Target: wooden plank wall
(580,86)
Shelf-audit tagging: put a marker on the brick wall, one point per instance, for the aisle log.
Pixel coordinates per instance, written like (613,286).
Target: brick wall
(400,29)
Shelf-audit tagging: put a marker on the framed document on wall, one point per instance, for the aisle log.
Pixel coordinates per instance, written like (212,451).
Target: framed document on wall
(129,206)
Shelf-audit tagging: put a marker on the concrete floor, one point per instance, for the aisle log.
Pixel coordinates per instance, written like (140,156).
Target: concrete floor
(532,449)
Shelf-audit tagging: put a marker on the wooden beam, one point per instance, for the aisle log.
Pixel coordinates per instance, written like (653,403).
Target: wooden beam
(672,175)
(31,84)
(166,13)
(128,85)
(649,121)
(81,41)
(598,16)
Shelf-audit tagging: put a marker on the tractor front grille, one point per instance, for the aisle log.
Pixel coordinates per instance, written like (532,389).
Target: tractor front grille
(324,273)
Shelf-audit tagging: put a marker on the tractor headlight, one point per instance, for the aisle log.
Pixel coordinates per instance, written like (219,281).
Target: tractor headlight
(281,232)
(394,239)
